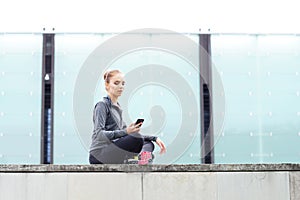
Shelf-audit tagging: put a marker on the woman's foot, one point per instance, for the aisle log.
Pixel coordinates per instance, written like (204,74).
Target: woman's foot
(145,157)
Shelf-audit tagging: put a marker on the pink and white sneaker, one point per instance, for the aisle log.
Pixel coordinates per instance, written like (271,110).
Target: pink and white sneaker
(145,157)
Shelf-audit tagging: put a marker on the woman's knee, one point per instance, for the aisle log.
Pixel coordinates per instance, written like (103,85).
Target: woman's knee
(137,137)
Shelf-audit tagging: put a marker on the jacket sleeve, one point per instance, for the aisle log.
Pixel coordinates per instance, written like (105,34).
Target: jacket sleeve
(124,126)
(100,117)
(149,138)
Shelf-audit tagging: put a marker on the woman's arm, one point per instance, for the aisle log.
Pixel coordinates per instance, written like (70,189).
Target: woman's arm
(158,141)
(149,138)
(100,117)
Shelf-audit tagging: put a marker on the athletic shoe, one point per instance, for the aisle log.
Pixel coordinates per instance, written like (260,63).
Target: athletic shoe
(145,157)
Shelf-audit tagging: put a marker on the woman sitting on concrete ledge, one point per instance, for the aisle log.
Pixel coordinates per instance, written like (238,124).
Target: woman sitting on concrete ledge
(112,141)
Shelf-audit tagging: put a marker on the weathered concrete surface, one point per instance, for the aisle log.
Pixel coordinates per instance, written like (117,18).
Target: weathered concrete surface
(295,185)
(181,185)
(35,186)
(167,182)
(253,185)
(65,186)
(145,186)
(151,168)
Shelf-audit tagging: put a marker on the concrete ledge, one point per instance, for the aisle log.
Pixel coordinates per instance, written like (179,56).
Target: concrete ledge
(150,168)
(147,186)
(150,182)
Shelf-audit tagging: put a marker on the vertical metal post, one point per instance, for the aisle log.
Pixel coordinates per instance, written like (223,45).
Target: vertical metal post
(207,136)
(47,99)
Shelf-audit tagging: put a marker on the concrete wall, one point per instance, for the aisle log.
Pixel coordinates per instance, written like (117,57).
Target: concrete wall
(270,185)
(149,186)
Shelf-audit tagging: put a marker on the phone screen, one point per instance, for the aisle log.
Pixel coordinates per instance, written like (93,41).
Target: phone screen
(139,121)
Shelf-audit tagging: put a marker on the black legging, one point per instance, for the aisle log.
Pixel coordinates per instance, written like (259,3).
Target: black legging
(121,149)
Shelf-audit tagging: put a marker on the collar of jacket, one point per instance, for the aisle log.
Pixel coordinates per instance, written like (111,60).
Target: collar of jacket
(107,100)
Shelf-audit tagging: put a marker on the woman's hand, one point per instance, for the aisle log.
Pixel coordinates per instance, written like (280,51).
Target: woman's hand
(132,128)
(161,145)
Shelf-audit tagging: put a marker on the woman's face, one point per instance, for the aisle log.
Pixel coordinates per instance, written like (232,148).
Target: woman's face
(116,84)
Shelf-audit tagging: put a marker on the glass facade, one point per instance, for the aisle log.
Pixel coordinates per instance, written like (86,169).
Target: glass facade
(260,75)
(154,79)
(20,98)
(71,50)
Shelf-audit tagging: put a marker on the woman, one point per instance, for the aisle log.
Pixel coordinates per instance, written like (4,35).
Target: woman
(113,142)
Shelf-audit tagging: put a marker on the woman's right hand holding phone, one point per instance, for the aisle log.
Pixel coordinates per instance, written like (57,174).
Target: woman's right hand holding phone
(133,128)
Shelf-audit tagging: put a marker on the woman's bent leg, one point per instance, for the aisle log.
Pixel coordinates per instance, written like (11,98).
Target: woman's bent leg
(148,146)
(94,160)
(123,148)
(131,143)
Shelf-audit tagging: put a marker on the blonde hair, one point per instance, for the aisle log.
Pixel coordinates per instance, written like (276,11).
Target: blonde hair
(108,74)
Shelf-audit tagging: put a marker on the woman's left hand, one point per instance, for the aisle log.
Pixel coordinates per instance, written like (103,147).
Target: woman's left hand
(162,146)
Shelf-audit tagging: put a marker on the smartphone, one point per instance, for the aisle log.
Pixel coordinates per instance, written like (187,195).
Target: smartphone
(139,121)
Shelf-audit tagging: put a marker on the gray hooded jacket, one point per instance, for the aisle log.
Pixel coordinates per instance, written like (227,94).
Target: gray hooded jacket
(108,125)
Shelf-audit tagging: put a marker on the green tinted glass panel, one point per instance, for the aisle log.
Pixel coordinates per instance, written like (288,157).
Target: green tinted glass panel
(260,75)
(71,51)
(158,102)
(20,98)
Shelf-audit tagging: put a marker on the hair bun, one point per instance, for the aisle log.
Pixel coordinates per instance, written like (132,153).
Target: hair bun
(110,73)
